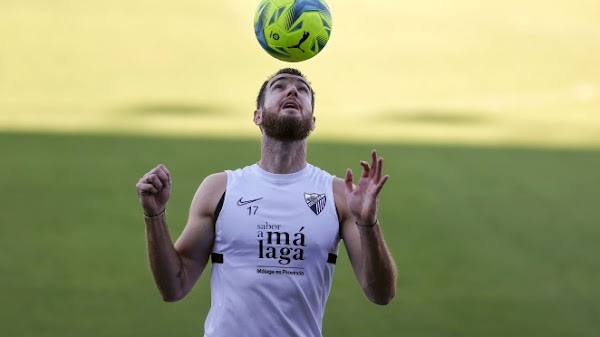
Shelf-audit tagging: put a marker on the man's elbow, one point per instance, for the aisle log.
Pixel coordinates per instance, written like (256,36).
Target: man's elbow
(382,299)
(170,299)
(381,296)
(172,296)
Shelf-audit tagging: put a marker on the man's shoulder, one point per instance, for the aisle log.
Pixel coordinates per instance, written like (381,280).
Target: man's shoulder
(216,178)
(214,183)
(218,181)
(339,188)
(241,170)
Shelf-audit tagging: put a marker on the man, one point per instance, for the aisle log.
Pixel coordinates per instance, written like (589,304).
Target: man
(271,229)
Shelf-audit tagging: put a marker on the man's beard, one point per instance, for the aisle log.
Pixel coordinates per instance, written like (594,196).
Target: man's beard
(285,127)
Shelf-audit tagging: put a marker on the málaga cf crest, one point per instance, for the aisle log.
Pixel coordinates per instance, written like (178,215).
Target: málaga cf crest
(315,201)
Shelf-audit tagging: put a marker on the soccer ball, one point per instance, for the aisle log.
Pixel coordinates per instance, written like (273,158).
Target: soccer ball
(292,30)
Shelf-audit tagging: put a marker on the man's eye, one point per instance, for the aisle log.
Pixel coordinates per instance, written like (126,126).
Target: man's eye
(303,89)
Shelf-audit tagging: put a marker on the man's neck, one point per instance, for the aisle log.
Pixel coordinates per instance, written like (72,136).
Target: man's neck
(282,157)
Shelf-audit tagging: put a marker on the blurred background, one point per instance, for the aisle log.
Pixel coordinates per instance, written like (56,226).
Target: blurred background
(487,113)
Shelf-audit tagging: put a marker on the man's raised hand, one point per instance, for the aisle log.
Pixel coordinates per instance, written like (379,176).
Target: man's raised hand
(362,198)
(154,189)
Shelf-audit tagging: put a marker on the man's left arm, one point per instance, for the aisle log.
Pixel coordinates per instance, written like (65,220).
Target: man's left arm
(360,229)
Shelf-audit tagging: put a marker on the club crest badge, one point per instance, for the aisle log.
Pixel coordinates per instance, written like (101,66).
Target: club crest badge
(316,202)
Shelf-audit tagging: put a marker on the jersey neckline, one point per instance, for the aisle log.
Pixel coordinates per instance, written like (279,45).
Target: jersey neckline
(281,178)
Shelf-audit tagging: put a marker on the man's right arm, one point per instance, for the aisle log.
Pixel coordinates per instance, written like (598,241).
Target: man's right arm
(176,268)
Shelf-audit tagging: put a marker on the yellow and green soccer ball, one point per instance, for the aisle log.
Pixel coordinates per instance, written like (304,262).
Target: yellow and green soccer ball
(292,30)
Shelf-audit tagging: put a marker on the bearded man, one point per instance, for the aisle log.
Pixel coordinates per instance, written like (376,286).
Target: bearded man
(271,229)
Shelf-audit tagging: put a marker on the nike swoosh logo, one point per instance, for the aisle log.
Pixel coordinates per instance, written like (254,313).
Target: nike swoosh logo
(245,202)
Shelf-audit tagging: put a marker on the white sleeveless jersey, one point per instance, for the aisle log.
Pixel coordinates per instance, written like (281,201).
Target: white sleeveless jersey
(276,241)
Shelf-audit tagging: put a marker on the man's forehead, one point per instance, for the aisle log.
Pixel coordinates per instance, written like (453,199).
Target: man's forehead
(288,77)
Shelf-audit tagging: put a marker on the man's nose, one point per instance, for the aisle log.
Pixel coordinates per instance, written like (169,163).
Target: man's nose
(293,91)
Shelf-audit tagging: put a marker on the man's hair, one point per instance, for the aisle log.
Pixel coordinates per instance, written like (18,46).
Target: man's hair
(260,99)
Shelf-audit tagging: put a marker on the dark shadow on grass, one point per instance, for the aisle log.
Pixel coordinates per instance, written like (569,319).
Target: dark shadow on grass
(173,109)
(430,116)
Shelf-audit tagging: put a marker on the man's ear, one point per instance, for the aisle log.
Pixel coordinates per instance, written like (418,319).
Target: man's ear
(257,116)
(312,125)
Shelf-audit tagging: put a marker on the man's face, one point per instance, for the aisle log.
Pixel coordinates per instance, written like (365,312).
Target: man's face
(287,110)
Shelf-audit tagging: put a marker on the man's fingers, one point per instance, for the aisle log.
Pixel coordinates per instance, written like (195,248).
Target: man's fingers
(379,169)
(164,178)
(348,181)
(151,179)
(373,163)
(146,188)
(159,168)
(379,186)
(161,172)
(164,169)
(366,169)
(154,180)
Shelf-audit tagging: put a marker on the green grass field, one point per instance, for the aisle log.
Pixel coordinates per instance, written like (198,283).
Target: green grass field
(487,113)
(489,242)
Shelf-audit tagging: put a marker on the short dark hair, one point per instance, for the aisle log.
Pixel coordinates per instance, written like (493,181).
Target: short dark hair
(260,99)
